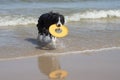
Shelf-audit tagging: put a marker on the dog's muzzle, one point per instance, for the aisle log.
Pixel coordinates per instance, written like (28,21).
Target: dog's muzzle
(59,25)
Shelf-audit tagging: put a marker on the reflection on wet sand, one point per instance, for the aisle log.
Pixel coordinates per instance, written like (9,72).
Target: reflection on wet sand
(50,66)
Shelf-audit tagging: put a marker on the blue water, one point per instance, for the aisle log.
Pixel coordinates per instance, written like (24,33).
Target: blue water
(19,11)
(94,25)
(78,5)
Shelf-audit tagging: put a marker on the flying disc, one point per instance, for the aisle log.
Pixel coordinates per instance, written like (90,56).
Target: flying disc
(58,74)
(56,31)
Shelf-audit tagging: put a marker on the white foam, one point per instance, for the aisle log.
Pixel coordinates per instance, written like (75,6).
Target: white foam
(13,20)
(85,51)
(65,53)
(17,20)
(94,14)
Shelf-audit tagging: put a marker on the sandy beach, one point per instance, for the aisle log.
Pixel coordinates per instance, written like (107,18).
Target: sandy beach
(96,66)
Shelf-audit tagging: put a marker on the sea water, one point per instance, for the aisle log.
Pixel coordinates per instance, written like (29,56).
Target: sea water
(94,25)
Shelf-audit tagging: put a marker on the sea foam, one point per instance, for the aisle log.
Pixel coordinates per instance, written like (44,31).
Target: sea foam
(13,20)
(16,20)
(94,14)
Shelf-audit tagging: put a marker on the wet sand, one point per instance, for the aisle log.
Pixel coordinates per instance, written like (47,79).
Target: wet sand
(96,66)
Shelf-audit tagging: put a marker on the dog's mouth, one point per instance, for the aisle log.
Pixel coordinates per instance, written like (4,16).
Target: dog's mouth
(58,30)
(61,31)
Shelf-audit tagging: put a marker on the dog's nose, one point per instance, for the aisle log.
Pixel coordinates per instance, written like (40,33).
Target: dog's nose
(58,25)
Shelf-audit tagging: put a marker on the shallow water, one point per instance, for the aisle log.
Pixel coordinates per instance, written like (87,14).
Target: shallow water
(92,27)
(84,37)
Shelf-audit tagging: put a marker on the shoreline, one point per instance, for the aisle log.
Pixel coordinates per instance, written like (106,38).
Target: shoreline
(90,52)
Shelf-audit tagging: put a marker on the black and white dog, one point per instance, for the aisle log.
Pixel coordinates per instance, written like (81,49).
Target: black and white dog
(44,22)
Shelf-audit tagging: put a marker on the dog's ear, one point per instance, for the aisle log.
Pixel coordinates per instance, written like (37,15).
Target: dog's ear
(62,19)
(39,22)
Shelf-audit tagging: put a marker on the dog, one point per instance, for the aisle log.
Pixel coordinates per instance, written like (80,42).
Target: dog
(44,38)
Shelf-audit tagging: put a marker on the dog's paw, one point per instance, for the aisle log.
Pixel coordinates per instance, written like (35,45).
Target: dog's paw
(46,42)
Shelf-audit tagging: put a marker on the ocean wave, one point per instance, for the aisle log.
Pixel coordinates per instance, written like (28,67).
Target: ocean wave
(17,20)
(11,1)
(13,20)
(5,1)
(94,14)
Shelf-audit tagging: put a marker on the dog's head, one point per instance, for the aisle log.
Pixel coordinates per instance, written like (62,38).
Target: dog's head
(47,19)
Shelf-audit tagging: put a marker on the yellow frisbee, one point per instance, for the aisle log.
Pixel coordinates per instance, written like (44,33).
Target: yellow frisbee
(58,74)
(61,31)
